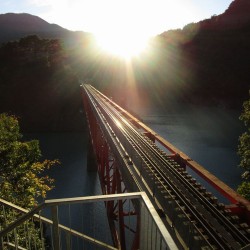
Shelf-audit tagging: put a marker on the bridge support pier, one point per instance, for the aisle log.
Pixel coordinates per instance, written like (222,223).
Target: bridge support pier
(91,157)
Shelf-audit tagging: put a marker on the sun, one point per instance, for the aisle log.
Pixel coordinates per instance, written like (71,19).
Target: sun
(121,27)
(122,44)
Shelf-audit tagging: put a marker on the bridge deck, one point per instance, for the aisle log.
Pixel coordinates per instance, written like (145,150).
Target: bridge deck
(193,212)
(224,189)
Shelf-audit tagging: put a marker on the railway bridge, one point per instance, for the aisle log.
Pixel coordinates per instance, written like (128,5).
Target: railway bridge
(150,194)
(130,157)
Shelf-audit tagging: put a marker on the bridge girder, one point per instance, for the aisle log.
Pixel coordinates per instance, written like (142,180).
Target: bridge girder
(111,183)
(137,173)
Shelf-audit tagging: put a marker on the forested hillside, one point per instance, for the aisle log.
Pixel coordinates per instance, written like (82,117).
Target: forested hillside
(205,63)
(14,26)
(38,85)
(217,52)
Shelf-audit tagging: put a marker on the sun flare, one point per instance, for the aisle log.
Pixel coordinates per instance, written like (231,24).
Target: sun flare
(122,27)
(122,45)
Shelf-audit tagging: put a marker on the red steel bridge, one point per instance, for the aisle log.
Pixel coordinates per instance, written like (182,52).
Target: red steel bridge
(130,157)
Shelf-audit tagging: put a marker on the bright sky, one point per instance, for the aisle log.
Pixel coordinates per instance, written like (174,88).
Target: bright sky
(117,20)
(148,16)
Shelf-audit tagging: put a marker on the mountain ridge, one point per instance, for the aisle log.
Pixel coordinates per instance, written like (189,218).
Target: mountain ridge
(215,56)
(14,26)
(235,16)
(206,63)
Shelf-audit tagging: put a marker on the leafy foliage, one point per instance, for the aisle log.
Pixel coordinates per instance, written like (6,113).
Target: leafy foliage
(244,189)
(21,181)
(20,170)
(27,235)
(244,151)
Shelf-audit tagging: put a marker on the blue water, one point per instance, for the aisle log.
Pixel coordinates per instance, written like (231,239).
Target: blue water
(73,180)
(208,135)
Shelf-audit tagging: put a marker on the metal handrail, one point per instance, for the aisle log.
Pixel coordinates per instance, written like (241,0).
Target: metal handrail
(21,220)
(54,203)
(50,222)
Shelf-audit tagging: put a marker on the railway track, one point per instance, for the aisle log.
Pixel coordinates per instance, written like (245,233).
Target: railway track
(170,187)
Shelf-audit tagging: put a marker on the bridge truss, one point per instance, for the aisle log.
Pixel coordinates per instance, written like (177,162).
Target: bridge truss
(108,156)
(127,158)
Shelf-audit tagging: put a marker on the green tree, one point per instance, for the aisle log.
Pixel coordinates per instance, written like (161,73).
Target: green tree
(244,152)
(21,180)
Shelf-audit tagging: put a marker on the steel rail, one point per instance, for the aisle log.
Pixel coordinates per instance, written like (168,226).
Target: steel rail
(220,217)
(173,188)
(163,165)
(226,235)
(110,115)
(227,224)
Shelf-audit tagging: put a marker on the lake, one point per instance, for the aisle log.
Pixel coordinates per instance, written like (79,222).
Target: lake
(208,135)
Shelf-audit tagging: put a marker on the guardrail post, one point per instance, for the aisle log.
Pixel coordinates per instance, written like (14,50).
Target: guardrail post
(68,241)
(55,228)
(1,243)
(16,240)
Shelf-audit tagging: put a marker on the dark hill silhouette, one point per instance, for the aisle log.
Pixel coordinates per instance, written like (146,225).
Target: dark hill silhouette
(38,85)
(236,17)
(238,14)
(203,63)
(206,63)
(37,82)
(15,26)
(211,57)
(27,23)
